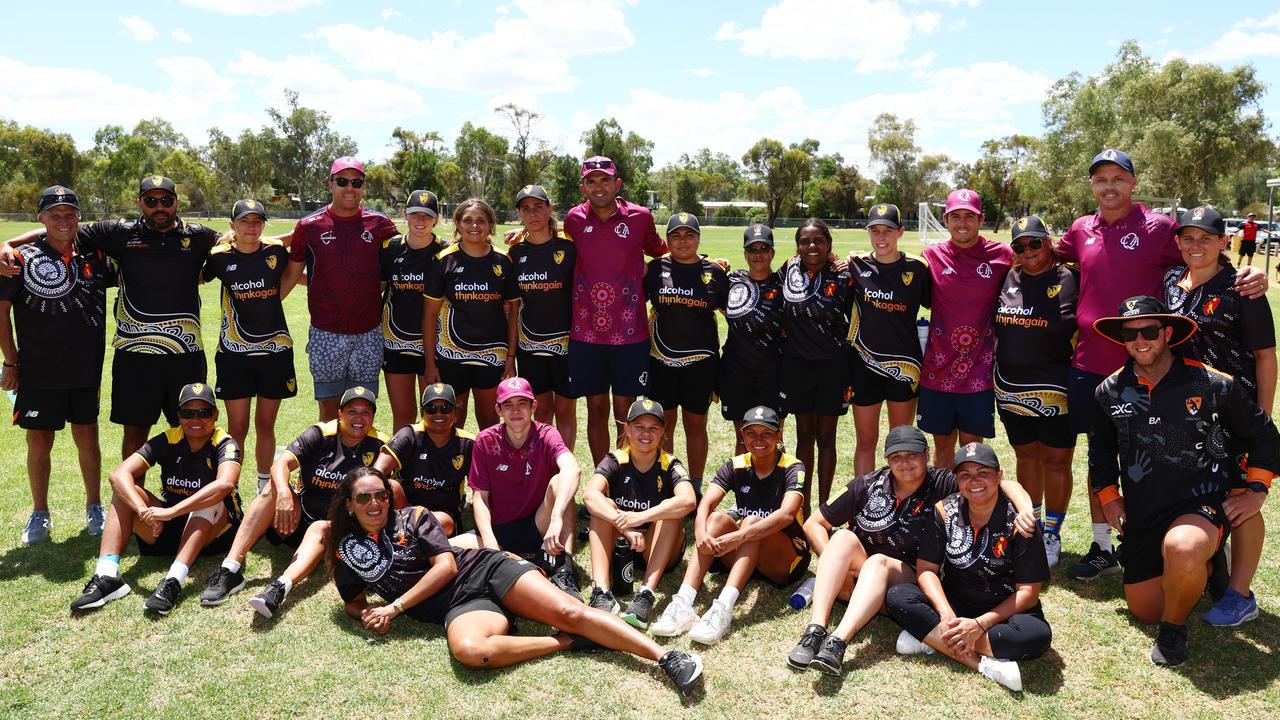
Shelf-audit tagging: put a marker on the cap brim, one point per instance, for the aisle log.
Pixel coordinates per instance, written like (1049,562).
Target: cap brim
(57,204)
(642,413)
(247,213)
(694,228)
(961,206)
(426,210)
(1202,226)
(753,241)
(884,222)
(1030,233)
(907,446)
(1183,327)
(1095,166)
(762,423)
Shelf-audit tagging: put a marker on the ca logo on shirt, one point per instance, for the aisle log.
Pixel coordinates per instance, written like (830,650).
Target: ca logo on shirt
(457,462)
(497,270)
(271,262)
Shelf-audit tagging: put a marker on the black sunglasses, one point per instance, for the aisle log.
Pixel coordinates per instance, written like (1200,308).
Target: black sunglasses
(759,249)
(189,413)
(166,200)
(364,497)
(440,408)
(597,165)
(1148,332)
(356,183)
(1034,244)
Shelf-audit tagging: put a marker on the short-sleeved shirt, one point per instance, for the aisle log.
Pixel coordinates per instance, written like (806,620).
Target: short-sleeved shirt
(882,327)
(515,478)
(1249,231)
(405,270)
(253,320)
(344,283)
(684,298)
(323,460)
(433,476)
(960,353)
(183,472)
(761,497)
(608,277)
(884,523)
(60,314)
(636,491)
(980,568)
(1117,261)
(158,308)
(544,282)
(472,327)
(816,309)
(1231,326)
(1035,340)
(753,309)
(394,560)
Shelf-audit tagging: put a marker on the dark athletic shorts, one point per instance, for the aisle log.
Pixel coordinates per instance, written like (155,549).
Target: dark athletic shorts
(689,387)
(399,362)
(465,377)
(37,409)
(521,536)
(1248,247)
(488,582)
(872,388)
(739,393)
(1081,402)
(1054,432)
(170,537)
(942,413)
(545,373)
(815,386)
(799,564)
(293,539)
(143,386)
(1141,551)
(595,368)
(245,376)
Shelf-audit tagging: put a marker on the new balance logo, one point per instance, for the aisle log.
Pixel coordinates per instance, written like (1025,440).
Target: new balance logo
(504,467)
(32,413)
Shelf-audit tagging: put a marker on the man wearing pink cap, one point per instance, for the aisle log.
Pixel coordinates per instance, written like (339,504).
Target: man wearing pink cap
(338,246)
(523,480)
(956,395)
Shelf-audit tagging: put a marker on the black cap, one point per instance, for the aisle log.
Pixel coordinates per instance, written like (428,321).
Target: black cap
(762,415)
(1029,226)
(1205,218)
(1140,307)
(757,233)
(683,220)
(358,392)
(423,201)
(533,191)
(57,195)
(905,438)
(156,182)
(248,207)
(645,406)
(1115,157)
(196,391)
(885,214)
(976,452)
(438,391)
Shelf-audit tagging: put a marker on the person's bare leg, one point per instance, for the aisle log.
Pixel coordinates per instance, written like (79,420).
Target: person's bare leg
(1055,468)
(89,455)
(742,562)
(844,554)
(486,407)
(669,417)
(135,436)
(1188,546)
(566,414)
(866,421)
(806,437)
(621,404)
(601,537)
(309,553)
(695,442)
(400,393)
(479,639)
(875,577)
(535,598)
(328,409)
(664,541)
(546,407)
(1030,470)
(39,466)
(238,422)
(826,438)
(944,450)
(1247,540)
(598,418)
(257,518)
(264,433)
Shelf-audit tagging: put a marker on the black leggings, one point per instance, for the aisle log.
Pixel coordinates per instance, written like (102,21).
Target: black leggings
(1024,636)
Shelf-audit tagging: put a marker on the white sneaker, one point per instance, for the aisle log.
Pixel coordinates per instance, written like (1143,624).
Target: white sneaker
(675,620)
(713,625)
(908,645)
(1052,548)
(1005,672)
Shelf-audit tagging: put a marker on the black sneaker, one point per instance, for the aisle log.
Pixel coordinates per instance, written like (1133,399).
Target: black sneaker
(602,599)
(99,591)
(1096,563)
(165,597)
(222,585)
(1171,645)
(640,609)
(565,577)
(684,669)
(268,601)
(830,658)
(802,655)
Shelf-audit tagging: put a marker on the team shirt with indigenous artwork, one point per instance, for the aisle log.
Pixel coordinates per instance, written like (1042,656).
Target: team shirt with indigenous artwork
(323,460)
(883,522)
(816,311)
(753,309)
(432,476)
(960,353)
(253,321)
(882,326)
(405,270)
(344,291)
(1035,340)
(473,319)
(684,297)
(544,280)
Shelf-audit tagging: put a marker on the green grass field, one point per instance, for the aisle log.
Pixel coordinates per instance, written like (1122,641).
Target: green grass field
(312,661)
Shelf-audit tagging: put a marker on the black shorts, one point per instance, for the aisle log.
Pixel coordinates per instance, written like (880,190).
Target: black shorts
(739,393)
(170,537)
(486,584)
(1081,402)
(520,536)
(815,386)
(267,376)
(1141,551)
(1054,432)
(545,373)
(872,388)
(465,377)
(1248,247)
(690,387)
(799,564)
(37,409)
(400,362)
(942,413)
(293,539)
(595,368)
(143,385)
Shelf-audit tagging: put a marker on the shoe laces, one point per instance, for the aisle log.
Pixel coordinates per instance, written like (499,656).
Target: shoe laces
(168,589)
(812,639)
(715,616)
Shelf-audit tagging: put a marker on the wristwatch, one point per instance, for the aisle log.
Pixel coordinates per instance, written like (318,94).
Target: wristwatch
(398,604)
(1258,486)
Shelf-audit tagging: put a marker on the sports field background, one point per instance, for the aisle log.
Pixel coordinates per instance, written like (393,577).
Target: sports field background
(313,661)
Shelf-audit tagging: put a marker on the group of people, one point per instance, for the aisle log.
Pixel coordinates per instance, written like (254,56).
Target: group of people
(939,541)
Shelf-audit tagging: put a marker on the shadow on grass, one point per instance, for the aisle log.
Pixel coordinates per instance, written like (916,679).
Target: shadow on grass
(1226,662)
(1101,589)
(57,562)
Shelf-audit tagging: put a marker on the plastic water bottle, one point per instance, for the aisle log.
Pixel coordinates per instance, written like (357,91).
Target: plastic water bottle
(803,595)
(622,570)
(922,329)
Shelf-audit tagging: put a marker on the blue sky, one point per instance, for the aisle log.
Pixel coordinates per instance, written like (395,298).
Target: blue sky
(685,75)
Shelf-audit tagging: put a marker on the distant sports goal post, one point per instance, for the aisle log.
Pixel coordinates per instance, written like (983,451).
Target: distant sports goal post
(932,231)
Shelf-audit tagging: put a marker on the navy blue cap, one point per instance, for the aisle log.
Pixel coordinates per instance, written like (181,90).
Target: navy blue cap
(885,214)
(1029,226)
(1115,157)
(1205,218)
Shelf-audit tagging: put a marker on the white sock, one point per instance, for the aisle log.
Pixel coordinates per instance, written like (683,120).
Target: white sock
(729,596)
(643,588)
(286,582)
(687,594)
(1102,535)
(108,566)
(231,565)
(178,571)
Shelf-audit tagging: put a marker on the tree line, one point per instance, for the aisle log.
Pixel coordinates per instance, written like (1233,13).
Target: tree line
(1196,130)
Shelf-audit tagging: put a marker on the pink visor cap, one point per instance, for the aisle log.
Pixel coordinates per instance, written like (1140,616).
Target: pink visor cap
(513,388)
(963,199)
(345,163)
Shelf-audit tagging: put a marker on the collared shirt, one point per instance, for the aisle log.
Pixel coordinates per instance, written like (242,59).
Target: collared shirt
(515,478)
(960,353)
(323,460)
(253,321)
(344,283)
(636,491)
(761,496)
(883,522)
(433,476)
(887,299)
(183,472)
(1035,341)
(684,298)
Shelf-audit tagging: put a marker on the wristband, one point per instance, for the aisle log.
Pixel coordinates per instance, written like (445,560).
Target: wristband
(1258,487)
(398,604)
(9,364)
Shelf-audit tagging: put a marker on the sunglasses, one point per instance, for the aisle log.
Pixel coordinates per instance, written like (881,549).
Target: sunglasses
(364,497)
(1033,244)
(1149,332)
(759,249)
(597,165)
(440,408)
(166,200)
(356,183)
(189,413)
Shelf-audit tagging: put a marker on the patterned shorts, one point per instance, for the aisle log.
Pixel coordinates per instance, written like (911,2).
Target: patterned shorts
(340,361)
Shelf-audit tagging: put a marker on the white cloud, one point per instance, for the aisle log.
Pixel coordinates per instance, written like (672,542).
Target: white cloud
(138,29)
(828,30)
(180,35)
(326,87)
(388,13)
(1247,38)
(702,72)
(261,8)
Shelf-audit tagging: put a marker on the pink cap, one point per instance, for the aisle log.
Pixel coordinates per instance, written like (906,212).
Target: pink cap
(513,388)
(963,199)
(345,163)
(599,163)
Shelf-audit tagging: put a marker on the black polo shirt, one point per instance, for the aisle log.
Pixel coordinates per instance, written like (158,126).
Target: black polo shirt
(883,522)
(323,460)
